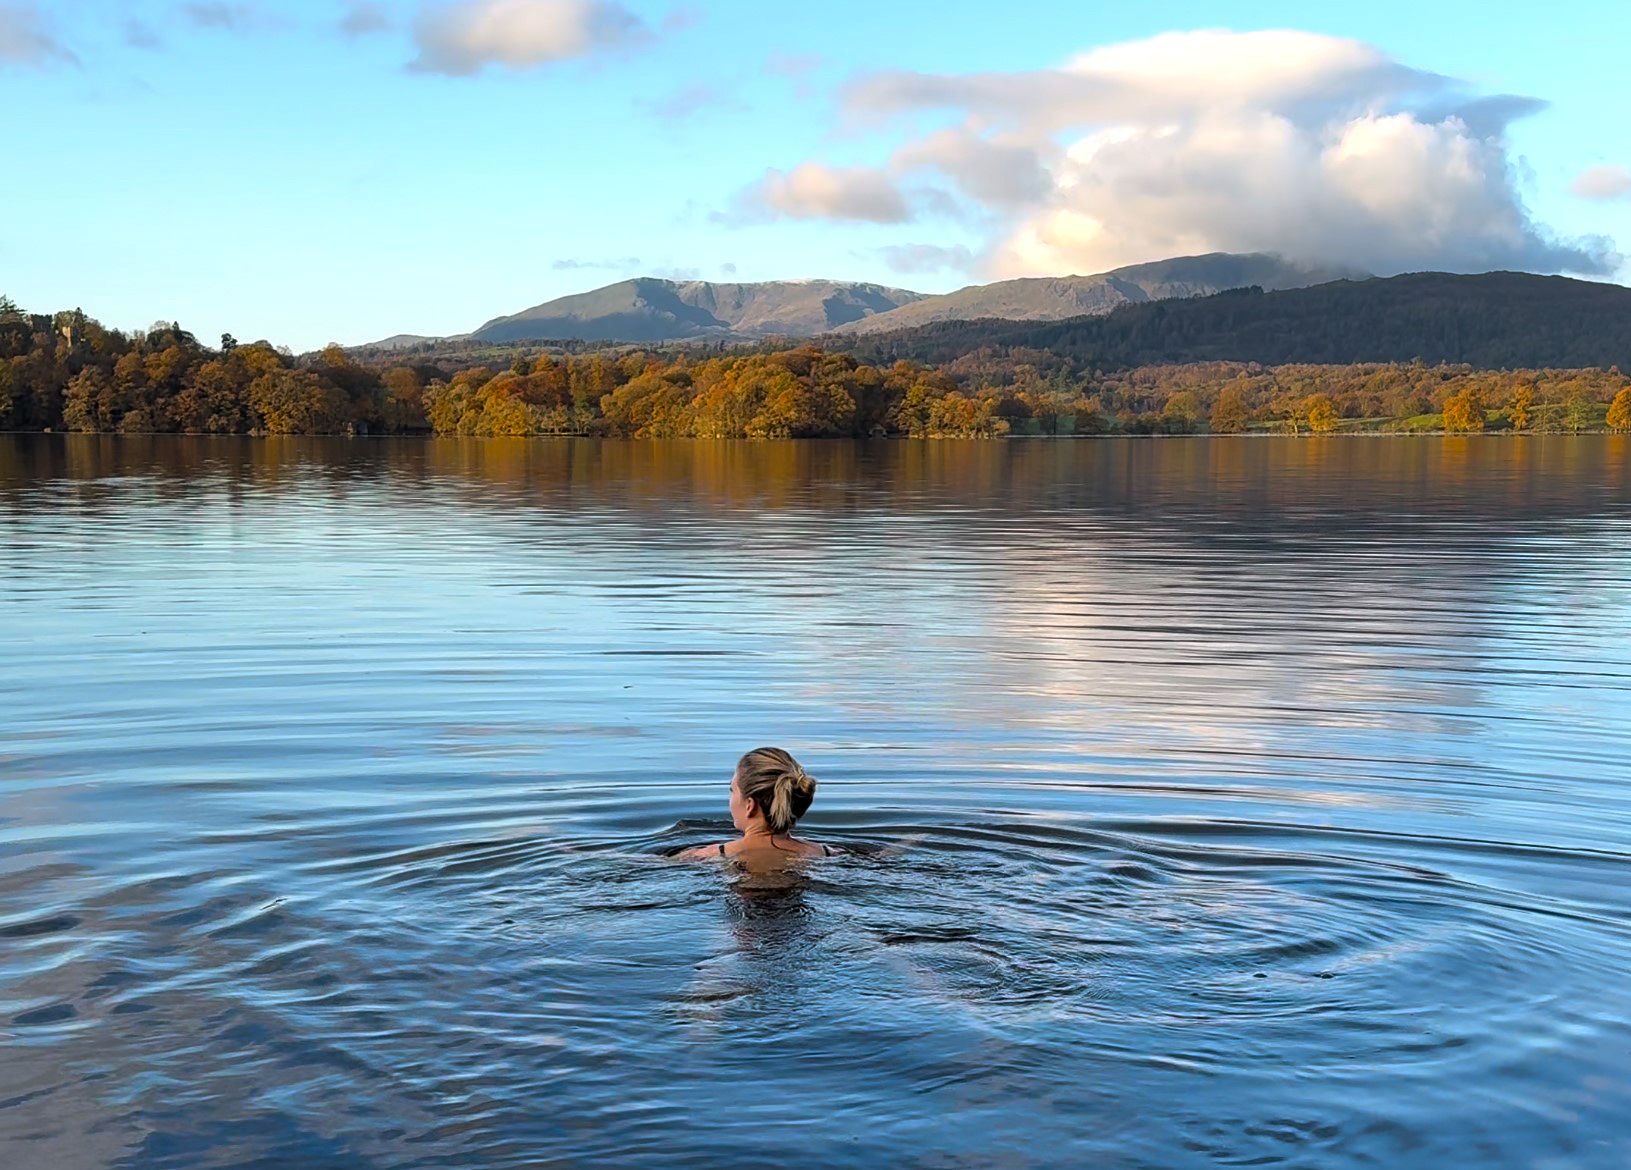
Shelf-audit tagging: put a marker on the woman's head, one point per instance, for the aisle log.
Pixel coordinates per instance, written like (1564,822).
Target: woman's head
(771,785)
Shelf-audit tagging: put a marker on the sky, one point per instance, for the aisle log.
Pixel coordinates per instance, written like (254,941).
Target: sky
(309,171)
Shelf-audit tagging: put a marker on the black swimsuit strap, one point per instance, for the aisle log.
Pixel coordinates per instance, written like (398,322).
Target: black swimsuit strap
(722,849)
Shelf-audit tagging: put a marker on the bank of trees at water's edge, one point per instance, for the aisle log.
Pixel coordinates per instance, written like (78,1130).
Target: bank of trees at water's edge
(67,372)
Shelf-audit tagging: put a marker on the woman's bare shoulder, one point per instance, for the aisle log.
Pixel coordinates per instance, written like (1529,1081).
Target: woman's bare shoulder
(700,853)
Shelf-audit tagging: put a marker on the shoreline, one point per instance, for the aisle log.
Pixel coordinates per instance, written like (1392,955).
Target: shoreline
(431,437)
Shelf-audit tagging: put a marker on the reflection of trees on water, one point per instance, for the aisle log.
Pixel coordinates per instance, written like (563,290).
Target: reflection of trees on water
(1225,481)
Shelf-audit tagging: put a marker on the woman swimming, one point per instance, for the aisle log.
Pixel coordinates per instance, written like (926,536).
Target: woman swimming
(769,793)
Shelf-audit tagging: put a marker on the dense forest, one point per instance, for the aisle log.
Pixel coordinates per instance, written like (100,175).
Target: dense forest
(1498,320)
(67,372)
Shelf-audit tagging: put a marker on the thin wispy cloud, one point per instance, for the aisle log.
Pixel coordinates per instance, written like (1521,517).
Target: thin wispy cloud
(792,64)
(621,265)
(693,100)
(462,39)
(28,41)
(362,19)
(1318,147)
(138,34)
(224,17)
(926,259)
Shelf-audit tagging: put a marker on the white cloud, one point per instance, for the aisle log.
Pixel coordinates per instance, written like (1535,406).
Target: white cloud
(817,191)
(1604,182)
(26,40)
(1317,147)
(461,39)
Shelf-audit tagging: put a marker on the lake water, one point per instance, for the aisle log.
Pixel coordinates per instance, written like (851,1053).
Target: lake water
(1212,802)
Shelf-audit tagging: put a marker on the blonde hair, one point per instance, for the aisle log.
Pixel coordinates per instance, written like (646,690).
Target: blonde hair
(776,782)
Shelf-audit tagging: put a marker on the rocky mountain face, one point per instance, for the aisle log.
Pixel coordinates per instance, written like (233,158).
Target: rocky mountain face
(649,310)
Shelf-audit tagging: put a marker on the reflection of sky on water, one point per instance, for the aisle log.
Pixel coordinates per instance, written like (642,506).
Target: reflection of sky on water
(1129,610)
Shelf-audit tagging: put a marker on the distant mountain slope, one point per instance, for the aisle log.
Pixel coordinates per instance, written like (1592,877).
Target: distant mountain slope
(402,341)
(1053,298)
(650,310)
(1494,320)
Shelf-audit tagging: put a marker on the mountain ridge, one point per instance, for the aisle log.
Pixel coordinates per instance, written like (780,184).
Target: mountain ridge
(648,309)
(652,309)
(1057,298)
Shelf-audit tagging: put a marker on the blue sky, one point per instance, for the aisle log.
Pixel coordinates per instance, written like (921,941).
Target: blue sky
(252,168)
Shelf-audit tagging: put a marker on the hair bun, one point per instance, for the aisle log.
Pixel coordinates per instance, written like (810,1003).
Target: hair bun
(778,783)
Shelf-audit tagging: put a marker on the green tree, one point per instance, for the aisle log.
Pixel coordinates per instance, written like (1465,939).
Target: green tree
(1577,405)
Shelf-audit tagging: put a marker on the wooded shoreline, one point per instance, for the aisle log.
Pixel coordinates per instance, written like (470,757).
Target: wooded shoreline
(68,373)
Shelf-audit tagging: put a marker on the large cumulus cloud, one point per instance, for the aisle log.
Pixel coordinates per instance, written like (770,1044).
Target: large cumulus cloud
(1320,148)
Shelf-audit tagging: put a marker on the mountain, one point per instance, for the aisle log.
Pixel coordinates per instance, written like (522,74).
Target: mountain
(1054,298)
(402,341)
(649,310)
(1495,320)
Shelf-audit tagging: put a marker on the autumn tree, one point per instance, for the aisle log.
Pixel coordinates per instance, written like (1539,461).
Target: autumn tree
(1464,411)
(1522,407)
(403,407)
(1619,411)
(88,401)
(1181,412)
(1321,413)
(1231,411)
(296,402)
(8,391)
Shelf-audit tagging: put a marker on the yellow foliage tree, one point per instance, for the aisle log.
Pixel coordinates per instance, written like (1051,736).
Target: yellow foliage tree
(1523,408)
(1464,411)
(1322,413)
(1619,411)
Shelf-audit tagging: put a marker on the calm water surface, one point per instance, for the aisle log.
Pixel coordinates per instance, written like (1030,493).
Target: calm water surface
(1242,802)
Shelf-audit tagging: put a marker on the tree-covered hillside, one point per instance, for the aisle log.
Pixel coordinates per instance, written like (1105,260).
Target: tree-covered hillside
(1498,320)
(67,372)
